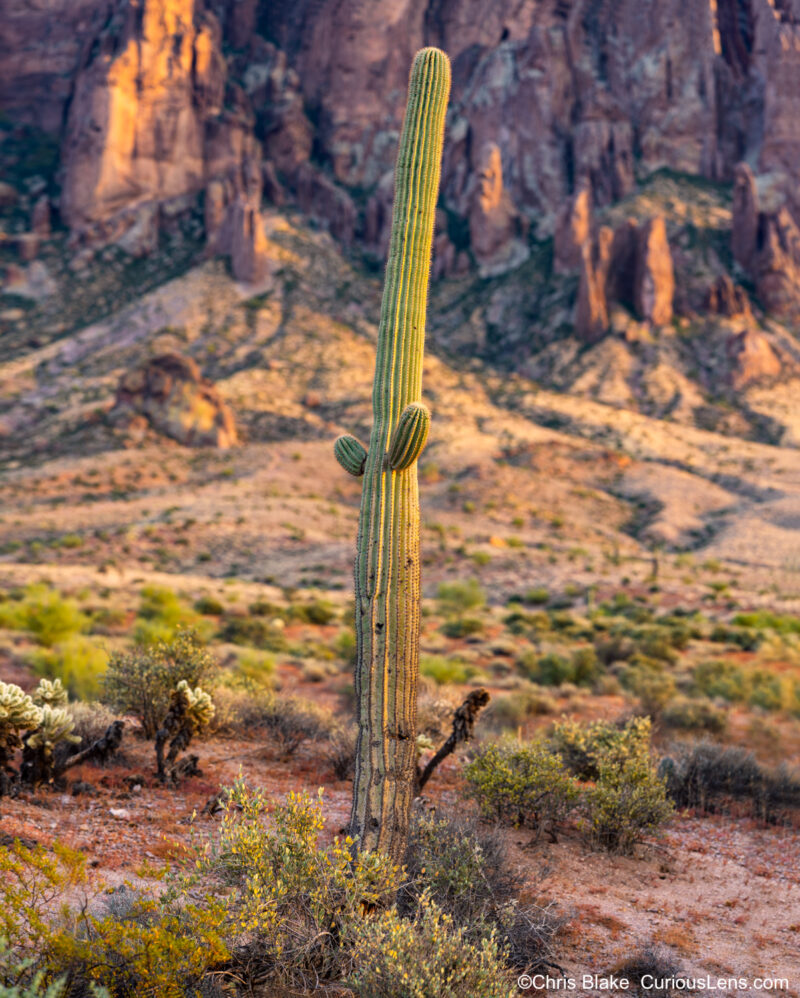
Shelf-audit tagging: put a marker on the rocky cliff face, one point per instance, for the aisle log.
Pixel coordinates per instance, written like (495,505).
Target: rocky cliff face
(560,109)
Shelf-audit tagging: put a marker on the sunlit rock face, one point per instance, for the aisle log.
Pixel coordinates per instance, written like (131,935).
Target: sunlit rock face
(155,100)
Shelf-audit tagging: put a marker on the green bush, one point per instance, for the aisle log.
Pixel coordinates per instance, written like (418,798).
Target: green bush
(628,798)
(462,627)
(687,714)
(537,597)
(45,614)
(78,662)
(512,709)
(209,606)
(743,637)
(582,746)
(457,598)
(445,670)
(254,632)
(521,784)
(293,904)
(463,866)
(140,682)
(426,956)
(765,620)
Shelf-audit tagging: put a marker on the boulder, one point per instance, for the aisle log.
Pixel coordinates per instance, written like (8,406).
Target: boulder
(492,217)
(170,392)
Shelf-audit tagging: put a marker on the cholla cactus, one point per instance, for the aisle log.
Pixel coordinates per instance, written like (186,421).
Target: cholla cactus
(190,711)
(50,693)
(199,705)
(18,713)
(56,726)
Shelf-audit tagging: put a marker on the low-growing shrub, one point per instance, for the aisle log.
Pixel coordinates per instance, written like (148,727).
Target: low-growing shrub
(521,784)
(650,962)
(79,662)
(291,721)
(582,746)
(444,670)
(341,751)
(710,777)
(426,956)
(628,798)
(294,905)
(141,681)
(45,614)
(582,668)
(512,709)
(255,632)
(463,866)
(688,714)
(209,606)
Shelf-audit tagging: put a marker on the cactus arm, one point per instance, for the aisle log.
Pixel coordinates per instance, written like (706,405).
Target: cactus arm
(351,454)
(387,571)
(409,437)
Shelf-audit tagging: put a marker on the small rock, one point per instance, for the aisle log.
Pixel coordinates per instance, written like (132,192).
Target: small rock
(119,812)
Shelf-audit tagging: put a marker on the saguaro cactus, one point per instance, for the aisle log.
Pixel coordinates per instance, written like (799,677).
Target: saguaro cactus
(387,576)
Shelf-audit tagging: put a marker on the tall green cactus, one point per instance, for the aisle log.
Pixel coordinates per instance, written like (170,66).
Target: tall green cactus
(387,571)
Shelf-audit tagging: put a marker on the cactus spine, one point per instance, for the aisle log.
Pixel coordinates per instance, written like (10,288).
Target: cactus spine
(387,571)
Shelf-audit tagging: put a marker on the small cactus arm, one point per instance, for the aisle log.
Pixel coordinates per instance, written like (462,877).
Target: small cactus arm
(387,570)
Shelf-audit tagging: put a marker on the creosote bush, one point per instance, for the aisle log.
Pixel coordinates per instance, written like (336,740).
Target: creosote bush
(141,681)
(426,956)
(522,784)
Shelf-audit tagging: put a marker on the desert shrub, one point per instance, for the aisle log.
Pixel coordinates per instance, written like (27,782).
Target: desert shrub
(521,784)
(345,646)
(614,648)
(253,670)
(341,751)
(708,776)
(290,721)
(765,620)
(463,866)
(293,903)
(743,637)
(650,960)
(318,611)
(582,668)
(140,682)
(239,710)
(426,956)
(45,614)
(457,598)
(720,679)
(512,709)
(538,596)
(629,797)
(161,614)
(209,606)
(77,661)
(254,632)
(462,627)
(445,670)
(648,680)
(582,746)
(688,714)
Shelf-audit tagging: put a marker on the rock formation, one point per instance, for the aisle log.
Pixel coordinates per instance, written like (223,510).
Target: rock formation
(727,299)
(171,394)
(547,97)
(572,230)
(654,280)
(751,359)
(631,265)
